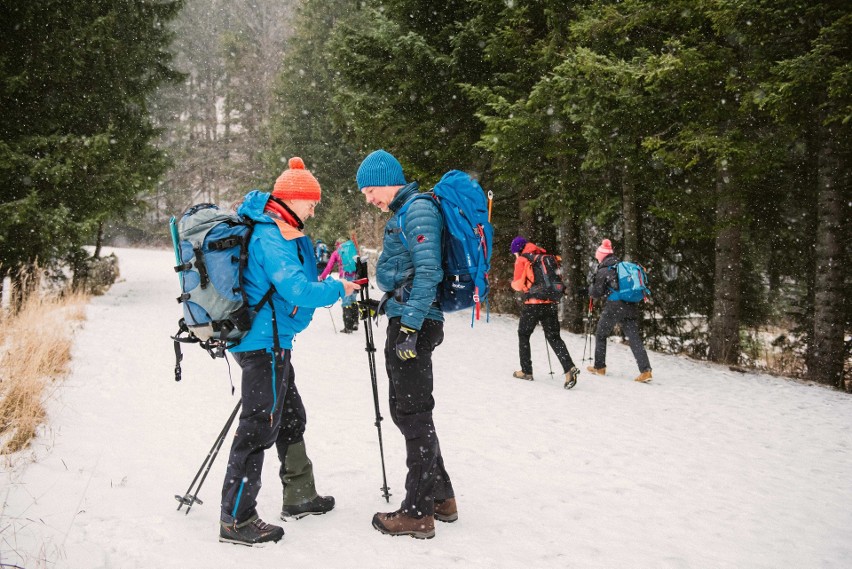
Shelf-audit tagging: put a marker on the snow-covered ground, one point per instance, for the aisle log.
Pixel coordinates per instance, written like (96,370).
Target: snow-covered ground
(703,468)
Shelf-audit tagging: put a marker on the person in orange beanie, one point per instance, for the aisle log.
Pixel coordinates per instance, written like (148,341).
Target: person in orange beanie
(281,267)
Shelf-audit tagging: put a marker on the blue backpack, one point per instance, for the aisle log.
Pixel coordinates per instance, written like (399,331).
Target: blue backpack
(211,252)
(466,242)
(322,254)
(348,255)
(632,283)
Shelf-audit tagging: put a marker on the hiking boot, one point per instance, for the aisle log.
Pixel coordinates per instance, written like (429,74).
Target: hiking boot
(318,506)
(644,377)
(522,375)
(446,510)
(253,533)
(397,523)
(571,377)
(597,370)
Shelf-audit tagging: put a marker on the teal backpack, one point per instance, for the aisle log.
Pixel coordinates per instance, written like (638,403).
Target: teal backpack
(632,283)
(348,255)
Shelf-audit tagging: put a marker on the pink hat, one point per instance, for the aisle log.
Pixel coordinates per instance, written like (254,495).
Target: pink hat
(604,250)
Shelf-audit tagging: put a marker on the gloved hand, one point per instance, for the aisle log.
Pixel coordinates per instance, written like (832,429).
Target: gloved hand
(406,343)
(367,308)
(582,291)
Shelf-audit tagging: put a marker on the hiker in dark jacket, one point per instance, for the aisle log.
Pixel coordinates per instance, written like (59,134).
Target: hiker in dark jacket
(537,310)
(615,312)
(280,256)
(409,271)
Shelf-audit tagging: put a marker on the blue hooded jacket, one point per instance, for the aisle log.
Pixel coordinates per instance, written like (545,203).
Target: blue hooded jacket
(414,271)
(287,263)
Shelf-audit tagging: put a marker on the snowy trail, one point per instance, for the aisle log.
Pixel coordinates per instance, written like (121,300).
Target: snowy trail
(703,468)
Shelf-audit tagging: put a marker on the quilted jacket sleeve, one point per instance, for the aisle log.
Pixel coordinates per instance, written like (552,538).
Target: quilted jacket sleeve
(422,229)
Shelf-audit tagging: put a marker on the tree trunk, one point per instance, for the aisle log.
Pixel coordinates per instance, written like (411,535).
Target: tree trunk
(99,240)
(725,320)
(572,274)
(827,354)
(630,214)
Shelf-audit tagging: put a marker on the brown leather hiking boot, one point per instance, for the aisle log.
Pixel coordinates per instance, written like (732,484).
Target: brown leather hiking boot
(446,510)
(644,377)
(522,375)
(597,370)
(397,523)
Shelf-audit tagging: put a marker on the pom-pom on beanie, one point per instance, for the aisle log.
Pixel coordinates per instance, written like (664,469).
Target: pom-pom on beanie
(518,244)
(380,168)
(297,183)
(604,250)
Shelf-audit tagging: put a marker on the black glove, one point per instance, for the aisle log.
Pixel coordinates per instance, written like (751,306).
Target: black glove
(367,308)
(582,291)
(406,343)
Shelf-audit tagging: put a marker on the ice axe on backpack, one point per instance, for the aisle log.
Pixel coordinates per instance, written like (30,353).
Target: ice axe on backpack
(366,303)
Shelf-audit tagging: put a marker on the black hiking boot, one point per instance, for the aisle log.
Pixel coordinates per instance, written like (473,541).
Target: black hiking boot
(253,533)
(571,377)
(318,506)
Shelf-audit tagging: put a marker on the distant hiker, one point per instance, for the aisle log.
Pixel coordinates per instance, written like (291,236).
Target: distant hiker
(281,262)
(615,312)
(322,254)
(345,255)
(409,271)
(541,304)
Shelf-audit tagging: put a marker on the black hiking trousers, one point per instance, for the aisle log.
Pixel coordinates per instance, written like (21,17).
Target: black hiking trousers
(548,315)
(350,317)
(411,406)
(627,315)
(272,414)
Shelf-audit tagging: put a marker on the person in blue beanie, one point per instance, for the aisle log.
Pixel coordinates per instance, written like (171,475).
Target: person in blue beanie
(409,271)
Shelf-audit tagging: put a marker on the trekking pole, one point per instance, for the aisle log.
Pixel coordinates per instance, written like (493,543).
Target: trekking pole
(587,338)
(546,347)
(330,315)
(364,281)
(189,498)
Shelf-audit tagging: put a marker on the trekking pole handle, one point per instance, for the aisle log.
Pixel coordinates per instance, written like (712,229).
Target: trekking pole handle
(362,282)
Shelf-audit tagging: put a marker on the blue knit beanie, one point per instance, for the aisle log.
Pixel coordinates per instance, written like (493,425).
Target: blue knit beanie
(380,168)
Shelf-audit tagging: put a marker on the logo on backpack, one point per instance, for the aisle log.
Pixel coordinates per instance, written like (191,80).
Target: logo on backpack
(466,243)
(211,251)
(547,277)
(348,255)
(632,283)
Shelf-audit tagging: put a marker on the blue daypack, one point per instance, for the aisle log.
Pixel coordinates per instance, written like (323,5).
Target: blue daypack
(348,255)
(632,283)
(466,241)
(211,252)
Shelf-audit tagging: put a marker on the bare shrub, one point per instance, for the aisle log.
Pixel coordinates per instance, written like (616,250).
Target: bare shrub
(36,351)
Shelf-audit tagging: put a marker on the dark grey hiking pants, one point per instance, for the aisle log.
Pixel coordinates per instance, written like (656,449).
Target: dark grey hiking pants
(272,414)
(627,315)
(411,406)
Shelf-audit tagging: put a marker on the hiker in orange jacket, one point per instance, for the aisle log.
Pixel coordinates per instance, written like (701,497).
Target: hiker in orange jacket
(537,310)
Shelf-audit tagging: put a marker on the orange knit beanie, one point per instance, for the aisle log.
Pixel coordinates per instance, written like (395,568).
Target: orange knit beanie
(297,183)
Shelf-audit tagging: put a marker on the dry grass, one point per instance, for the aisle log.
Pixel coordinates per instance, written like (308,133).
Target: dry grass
(35,352)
